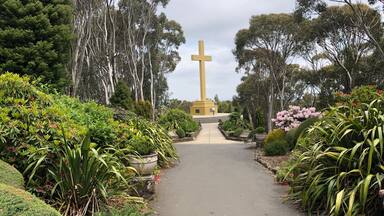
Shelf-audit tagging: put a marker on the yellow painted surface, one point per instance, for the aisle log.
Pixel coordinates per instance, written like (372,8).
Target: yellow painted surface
(202,58)
(204,106)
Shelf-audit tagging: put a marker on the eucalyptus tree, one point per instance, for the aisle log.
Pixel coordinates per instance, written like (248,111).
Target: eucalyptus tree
(343,43)
(267,46)
(306,9)
(123,40)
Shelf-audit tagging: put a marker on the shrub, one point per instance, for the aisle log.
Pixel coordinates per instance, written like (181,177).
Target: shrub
(237,132)
(156,135)
(276,147)
(81,176)
(128,210)
(304,126)
(142,145)
(234,122)
(15,201)
(290,137)
(10,176)
(260,130)
(276,134)
(180,133)
(359,95)
(291,118)
(143,109)
(122,97)
(30,129)
(338,170)
(175,118)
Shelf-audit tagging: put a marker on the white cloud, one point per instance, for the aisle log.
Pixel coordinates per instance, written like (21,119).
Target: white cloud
(217,22)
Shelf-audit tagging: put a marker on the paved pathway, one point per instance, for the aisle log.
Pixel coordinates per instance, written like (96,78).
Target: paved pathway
(218,180)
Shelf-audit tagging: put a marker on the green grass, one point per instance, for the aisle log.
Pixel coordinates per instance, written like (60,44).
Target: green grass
(10,176)
(15,201)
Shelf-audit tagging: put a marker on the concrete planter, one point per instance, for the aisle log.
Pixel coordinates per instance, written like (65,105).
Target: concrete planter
(144,164)
(260,137)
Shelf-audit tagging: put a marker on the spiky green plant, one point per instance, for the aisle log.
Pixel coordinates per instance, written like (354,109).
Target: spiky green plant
(81,176)
(341,168)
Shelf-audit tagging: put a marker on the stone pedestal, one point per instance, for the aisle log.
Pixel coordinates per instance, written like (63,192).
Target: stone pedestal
(203,108)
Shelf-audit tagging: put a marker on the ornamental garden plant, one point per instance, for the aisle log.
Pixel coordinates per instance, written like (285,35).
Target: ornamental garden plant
(73,155)
(179,122)
(337,166)
(290,124)
(235,126)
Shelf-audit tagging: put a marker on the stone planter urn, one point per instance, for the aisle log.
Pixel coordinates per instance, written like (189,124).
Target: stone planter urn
(260,137)
(144,164)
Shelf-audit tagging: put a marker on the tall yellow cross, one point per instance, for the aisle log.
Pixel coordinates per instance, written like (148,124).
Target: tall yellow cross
(202,59)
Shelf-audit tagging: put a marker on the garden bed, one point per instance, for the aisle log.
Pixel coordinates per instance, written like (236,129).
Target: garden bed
(270,162)
(176,139)
(228,137)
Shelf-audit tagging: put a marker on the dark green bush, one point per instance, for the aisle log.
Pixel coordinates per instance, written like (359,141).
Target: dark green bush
(10,176)
(15,201)
(276,134)
(276,147)
(237,132)
(122,97)
(180,133)
(142,145)
(260,130)
(174,119)
(143,109)
(234,122)
(290,138)
(303,127)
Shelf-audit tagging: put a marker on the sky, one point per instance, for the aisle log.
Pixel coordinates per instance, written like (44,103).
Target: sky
(216,22)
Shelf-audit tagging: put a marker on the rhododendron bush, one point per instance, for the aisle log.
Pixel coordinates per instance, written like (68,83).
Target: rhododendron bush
(292,118)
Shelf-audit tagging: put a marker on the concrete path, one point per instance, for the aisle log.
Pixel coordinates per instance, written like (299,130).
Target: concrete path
(210,134)
(219,180)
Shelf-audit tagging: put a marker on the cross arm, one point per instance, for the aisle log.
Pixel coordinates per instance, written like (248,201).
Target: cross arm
(201,58)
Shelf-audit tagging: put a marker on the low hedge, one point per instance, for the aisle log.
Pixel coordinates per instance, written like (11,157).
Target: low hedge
(15,201)
(10,176)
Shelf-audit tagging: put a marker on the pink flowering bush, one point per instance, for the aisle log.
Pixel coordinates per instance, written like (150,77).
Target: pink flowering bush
(292,118)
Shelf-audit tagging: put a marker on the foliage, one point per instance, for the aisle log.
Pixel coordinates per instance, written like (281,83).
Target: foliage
(359,95)
(178,104)
(155,134)
(276,147)
(175,119)
(290,137)
(180,132)
(253,133)
(35,39)
(276,134)
(142,145)
(260,130)
(15,201)
(10,176)
(31,138)
(339,170)
(143,109)
(128,210)
(122,97)
(237,132)
(81,176)
(303,128)
(292,118)
(234,122)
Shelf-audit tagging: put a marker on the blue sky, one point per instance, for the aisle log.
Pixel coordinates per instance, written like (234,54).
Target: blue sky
(217,22)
